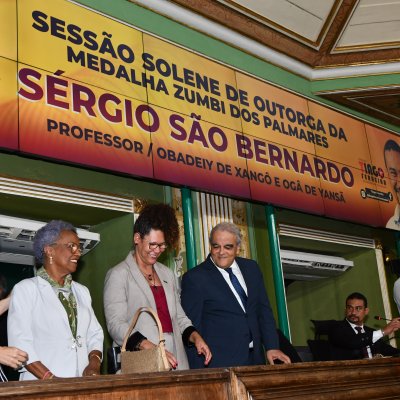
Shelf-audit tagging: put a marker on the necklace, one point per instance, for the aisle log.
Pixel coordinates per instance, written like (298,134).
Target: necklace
(150,277)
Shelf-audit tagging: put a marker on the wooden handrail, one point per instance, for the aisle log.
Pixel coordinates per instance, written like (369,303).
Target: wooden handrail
(332,380)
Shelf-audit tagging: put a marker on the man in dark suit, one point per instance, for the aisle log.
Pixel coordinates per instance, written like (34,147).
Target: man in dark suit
(351,339)
(225,299)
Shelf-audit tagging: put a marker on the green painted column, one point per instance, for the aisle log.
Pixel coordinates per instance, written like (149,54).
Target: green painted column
(277,271)
(187,207)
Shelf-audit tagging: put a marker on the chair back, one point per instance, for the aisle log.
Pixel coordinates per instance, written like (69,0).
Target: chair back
(320,347)
(322,327)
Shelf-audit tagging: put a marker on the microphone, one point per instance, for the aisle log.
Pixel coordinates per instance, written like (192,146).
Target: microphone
(381,318)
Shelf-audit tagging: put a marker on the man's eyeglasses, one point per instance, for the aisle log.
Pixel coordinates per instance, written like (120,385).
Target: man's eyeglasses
(155,245)
(356,308)
(71,246)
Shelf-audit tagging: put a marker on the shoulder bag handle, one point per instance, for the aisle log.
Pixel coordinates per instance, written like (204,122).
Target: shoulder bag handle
(133,323)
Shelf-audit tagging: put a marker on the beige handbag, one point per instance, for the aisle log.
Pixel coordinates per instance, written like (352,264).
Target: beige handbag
(152,360)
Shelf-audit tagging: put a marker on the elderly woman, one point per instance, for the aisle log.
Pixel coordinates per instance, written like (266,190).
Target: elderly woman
(141,281)
(51,316)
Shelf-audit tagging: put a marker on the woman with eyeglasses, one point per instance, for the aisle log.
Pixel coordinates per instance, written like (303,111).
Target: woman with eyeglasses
(51,316)
(141,281)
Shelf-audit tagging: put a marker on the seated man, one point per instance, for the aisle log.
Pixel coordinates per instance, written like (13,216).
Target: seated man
(351,339)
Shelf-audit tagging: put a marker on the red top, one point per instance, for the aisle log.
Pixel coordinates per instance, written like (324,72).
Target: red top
(162,308)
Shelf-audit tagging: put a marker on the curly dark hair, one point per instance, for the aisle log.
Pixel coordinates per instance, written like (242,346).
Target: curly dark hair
(159,217)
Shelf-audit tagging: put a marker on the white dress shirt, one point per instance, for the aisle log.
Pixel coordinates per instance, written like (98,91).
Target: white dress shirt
(236,271)
(376,335)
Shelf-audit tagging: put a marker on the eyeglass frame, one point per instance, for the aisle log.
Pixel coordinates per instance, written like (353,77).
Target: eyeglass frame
(154,245)
(71,246)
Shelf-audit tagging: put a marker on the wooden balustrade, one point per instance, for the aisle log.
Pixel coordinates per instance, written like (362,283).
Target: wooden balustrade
(330,380)
(364,379)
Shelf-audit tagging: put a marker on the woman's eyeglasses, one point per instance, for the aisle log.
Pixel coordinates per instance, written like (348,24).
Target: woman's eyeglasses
(155,245)
(71,246)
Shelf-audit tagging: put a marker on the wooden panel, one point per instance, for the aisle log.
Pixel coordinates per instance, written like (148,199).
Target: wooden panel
(333,380)
(380,103)
(186,385)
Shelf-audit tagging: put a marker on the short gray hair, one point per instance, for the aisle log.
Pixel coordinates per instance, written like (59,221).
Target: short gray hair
(227,227)
(48,235)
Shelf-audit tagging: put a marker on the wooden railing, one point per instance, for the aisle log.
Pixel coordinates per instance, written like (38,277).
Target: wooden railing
(364,379)
(330,380)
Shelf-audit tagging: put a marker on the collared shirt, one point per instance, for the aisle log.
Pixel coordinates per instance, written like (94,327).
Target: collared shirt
(376,335)
(238,274)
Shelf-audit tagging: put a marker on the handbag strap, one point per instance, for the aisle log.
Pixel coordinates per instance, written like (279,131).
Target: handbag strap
(133,323)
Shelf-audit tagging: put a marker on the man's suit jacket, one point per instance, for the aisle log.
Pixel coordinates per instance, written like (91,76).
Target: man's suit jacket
(214,311)
(126,290)
(348,345)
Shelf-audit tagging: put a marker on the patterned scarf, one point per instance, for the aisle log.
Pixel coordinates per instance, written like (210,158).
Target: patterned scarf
(69,301)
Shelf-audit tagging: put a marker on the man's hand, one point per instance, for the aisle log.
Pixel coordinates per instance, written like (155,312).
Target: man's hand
(391,327)
(201,346)
(275,354)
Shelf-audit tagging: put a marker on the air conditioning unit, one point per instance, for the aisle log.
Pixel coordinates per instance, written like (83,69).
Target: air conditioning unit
(308,266)
(16,239)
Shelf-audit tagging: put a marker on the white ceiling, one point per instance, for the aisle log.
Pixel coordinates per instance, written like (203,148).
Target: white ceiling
(373,23)
(307,17)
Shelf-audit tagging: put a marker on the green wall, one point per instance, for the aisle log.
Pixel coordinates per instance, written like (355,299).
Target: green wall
(116,242)
(262,256)
(325,298)
(74,176)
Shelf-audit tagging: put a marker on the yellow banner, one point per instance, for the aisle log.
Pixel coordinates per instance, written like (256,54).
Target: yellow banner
(8,29)
(8,104)
(97,92)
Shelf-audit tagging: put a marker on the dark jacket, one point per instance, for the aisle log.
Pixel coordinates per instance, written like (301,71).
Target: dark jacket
(348,345)
(214,311)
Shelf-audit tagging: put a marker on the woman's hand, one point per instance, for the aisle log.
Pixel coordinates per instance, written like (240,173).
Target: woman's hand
(146,345)
(13,357)
(93,368)
(201,346)
(173,362)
